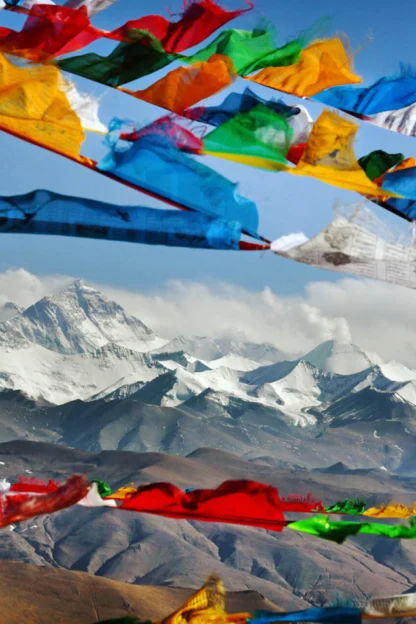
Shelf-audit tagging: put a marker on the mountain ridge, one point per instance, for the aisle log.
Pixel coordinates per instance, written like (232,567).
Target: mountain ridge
(90,386)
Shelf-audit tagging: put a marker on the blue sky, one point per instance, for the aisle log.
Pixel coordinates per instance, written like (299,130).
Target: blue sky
(285,203)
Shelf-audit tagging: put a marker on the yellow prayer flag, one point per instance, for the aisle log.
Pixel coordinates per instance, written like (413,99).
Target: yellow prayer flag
(392,510)
(33,105)
(321,65)
(329,156)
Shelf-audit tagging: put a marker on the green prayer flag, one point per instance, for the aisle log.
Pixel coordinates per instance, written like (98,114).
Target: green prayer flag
(351,506)
(260,132)
(250,50)
(378,162)
(103,488)
(321,526)
(127,62)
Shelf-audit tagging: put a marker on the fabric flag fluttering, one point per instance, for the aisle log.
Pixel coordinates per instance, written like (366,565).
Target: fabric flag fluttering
(321,65)
(208,604)
(251,50)
(185,86)
(259,137)
(402,182)
(329,156)
(392,510)
(127,62)
(377,163)
(392,95)
(346,246)
(44,212)
(27,499)
(338,532)
(156,164)
(34,104)
(403,605)
(402,120)
(350,506)
(49,31)
(236,502)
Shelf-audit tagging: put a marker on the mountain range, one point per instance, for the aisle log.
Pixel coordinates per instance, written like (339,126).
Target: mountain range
(86,387)
(75,368)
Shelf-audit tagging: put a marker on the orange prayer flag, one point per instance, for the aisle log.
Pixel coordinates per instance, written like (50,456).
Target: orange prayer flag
(185,86)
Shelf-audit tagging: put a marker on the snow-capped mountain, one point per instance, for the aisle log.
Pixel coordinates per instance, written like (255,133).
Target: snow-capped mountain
(212,349)
(78,344)
(77,320)
(344,359)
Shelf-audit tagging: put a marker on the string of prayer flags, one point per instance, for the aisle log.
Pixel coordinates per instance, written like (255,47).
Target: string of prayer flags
(208,604)
(321,65)
(44,212)
(52,30)
(156,164)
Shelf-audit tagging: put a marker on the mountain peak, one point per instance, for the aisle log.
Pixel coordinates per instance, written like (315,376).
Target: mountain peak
(81,286)
(341,357)
(78,319)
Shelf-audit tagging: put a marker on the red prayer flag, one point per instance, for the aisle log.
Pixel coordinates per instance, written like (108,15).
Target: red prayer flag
(198,21)
(20,506)
(50,31)
(235,502)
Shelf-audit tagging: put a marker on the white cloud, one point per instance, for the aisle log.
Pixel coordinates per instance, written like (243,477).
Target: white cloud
(376,316)
(24,288)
